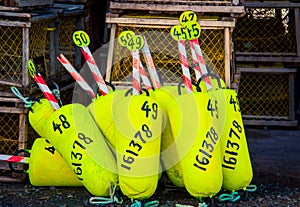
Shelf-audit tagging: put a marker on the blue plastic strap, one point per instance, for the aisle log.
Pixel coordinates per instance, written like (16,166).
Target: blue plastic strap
(148,204)
(233,197)
(56,93)
(251,188)
(27,101)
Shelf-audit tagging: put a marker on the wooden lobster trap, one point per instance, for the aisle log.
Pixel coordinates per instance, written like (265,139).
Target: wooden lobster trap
(267,95)
(29,35)
(268,33)
(267,50)
(215,42)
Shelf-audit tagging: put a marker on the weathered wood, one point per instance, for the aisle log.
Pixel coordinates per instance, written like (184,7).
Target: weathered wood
(266,70)
(255,122)
(11,110)
(110,52)
(270,4)
(267,59)
(25,56)
(10,83)
(297,25)
(227,56)
(179,2)
(14,24)
(205,24)
(23,128)
(15,14)
(9,8)
(28,3)
(177,8)
(292,113)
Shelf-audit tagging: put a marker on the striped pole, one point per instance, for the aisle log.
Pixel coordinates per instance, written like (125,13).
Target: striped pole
(94,69)
(201,62)
(185,66)
(144,76)
(78,78)
(196,66)
(14,158)
(46,91)
(135,72)
(150,65)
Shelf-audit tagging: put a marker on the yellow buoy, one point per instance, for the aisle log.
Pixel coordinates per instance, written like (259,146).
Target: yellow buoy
(138,121)
(169,156)
(48,168)
(197,141)
(39,112)
(101,110)
(74,133)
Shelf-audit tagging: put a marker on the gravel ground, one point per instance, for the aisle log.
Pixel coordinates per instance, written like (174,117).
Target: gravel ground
(271,191)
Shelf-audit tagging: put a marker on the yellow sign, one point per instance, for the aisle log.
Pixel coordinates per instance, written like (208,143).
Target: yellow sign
(81,38)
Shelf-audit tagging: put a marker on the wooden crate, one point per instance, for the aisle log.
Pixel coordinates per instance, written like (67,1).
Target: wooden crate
(28,3)
(269,32)
(267,95)
(215,43)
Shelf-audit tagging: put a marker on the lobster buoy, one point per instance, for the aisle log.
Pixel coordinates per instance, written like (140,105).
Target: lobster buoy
(138,121)
(101,110)
(39,112)
(75,135)
(197,143)
(169,156)
(48,168)
(236,162)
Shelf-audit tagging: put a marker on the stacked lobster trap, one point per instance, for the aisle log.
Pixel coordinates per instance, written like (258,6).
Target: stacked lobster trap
(267,50)
(28,33)
(154,19)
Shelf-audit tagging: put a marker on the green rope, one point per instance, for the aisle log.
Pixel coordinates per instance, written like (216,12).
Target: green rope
(56,93)
(251,188)
(148,204)
(105,201)
(27,101)
(233,197)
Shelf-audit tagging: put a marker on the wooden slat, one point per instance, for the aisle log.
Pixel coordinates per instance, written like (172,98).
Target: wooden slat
(179,2)
(15,14)
(227,56)
(12,100)
(25,56)
(11,110)
(266,70)
(177,8)
(14,24)
(9,8)
(255,122)
(271,4)
(292,113)
(267,59)
(10,83)
(205,24)
(297,25)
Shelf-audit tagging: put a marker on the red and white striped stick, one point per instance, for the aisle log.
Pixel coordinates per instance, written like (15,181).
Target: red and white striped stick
(200,59)
(144,76)
(150,65)
(14,158)
(185,66)
(94,69)
(196,66)
(46,91)
(79,79)
(135,72)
